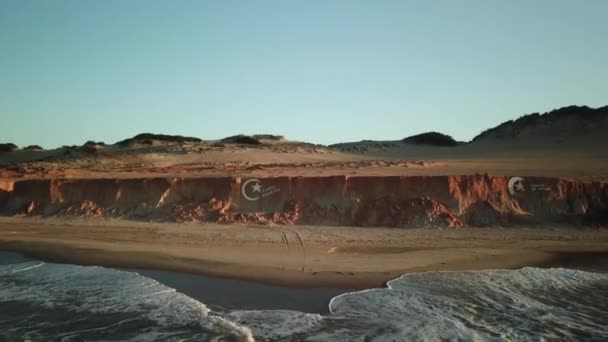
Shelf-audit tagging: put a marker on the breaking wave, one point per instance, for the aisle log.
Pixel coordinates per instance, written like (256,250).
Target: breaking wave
(45,301)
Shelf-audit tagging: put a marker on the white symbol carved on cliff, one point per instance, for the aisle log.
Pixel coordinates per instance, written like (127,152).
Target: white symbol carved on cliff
(516,184)
(253,190)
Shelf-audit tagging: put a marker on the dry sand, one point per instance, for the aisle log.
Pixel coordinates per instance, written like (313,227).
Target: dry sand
(299,256)
(582,159)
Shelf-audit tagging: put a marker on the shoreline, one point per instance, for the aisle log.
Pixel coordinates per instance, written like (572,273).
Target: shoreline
(228,294)
(224,295)
(327,257)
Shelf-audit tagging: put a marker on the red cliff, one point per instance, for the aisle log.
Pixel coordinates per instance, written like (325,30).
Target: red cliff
(412,201)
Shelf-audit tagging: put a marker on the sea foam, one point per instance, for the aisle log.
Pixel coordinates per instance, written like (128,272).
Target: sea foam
(45,301)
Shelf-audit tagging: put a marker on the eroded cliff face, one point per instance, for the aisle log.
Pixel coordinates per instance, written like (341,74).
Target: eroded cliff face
(433,201)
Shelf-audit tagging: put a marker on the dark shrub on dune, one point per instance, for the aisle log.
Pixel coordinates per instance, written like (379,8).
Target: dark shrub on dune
(67,149)
(8,147)
(94,143)
(165,137)
(145,138)
(431,138)
(88,149)
(34,148)
(242,139)
(555,122)
(268,137)
(126,142)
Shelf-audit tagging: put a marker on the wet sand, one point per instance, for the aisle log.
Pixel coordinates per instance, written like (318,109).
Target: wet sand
(297,256)
(231,294)
(221,294)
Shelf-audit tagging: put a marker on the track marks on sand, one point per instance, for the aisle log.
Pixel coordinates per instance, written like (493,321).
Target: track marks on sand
(293,245)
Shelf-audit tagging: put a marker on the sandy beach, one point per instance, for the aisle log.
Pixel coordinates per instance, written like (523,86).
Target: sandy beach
(300,256)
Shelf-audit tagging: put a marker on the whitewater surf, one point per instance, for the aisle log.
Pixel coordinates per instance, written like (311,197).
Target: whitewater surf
(42,301)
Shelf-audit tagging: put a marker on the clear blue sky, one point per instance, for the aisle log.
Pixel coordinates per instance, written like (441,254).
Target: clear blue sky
(319,71)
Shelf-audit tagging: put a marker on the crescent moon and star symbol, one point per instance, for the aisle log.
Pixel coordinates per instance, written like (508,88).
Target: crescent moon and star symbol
(253,190)
(256,186)
(516,185)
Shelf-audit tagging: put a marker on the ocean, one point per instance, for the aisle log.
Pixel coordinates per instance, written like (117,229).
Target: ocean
(41,301)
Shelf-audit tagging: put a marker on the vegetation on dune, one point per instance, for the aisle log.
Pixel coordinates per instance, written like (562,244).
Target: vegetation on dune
(513,128)
(166,137)
(94,143)
(89,149)
(431,138)
(67,149)
(34,148)
(241,139)
(148,138)
(8,147)
(268,137)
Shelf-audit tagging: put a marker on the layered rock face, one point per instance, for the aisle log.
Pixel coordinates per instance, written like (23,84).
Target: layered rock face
(408,201)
